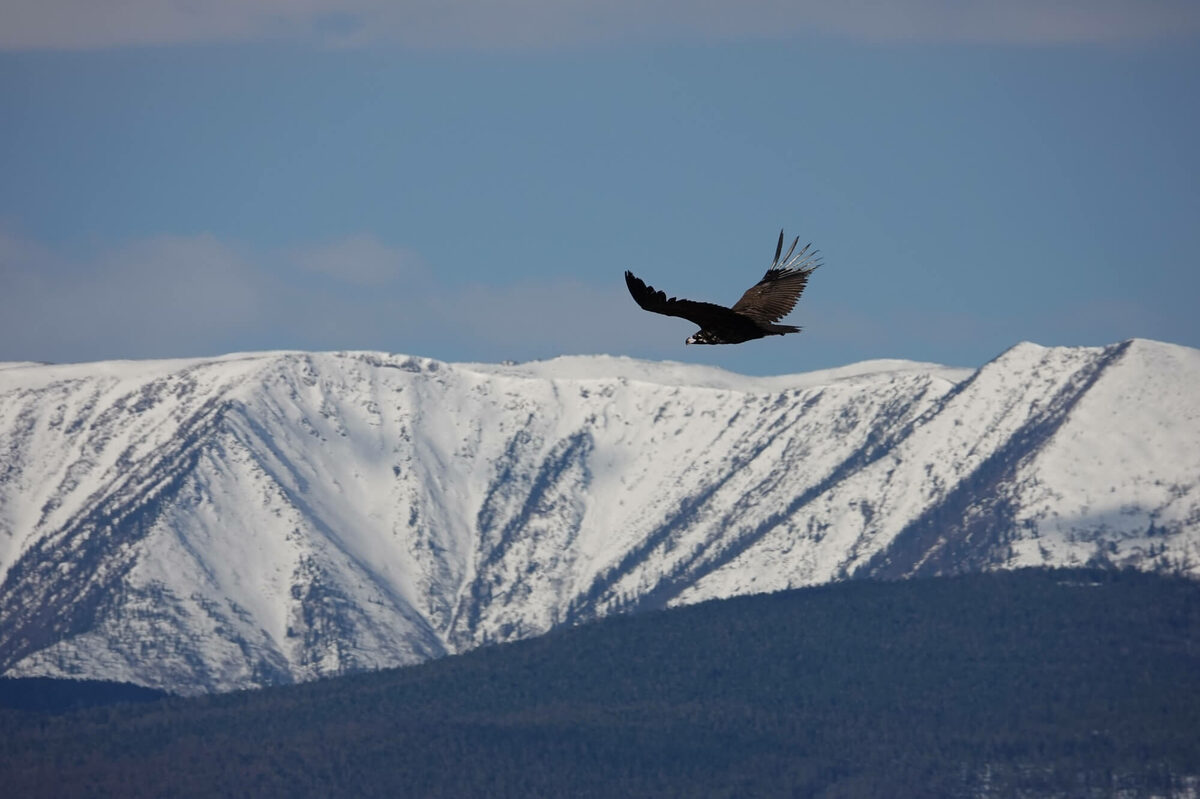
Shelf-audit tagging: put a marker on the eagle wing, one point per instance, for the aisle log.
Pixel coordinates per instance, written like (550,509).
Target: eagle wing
(704,314)
(774,297)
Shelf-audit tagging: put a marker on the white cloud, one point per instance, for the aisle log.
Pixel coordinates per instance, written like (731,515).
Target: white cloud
(471,24)
(362,260)
(176,296)
(179,296)
(161,296)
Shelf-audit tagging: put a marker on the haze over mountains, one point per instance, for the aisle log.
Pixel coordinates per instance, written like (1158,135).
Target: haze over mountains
(212,524)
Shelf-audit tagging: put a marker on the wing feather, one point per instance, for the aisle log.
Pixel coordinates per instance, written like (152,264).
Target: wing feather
(774,297)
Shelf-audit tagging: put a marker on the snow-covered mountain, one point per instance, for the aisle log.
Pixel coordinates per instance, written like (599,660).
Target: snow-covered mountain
(202,525)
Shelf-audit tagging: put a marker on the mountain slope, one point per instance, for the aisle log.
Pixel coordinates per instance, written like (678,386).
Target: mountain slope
(255,519)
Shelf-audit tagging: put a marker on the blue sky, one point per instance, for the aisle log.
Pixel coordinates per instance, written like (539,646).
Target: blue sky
(469,180)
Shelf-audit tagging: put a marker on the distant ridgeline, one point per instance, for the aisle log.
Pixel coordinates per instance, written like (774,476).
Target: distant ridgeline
(1032,683)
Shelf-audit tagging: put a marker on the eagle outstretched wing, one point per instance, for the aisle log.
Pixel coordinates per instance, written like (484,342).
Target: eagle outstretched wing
(704,314)
(774,297)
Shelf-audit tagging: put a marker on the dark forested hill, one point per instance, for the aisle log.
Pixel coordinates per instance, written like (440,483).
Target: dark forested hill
(58,696)
(1050,683)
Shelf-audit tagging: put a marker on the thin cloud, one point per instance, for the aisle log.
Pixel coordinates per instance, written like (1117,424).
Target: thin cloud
(180,296)
(526,24)
(363,260)
(169,295)
(176,296)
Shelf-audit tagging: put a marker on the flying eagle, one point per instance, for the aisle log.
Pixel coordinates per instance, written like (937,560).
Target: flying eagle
(754,315)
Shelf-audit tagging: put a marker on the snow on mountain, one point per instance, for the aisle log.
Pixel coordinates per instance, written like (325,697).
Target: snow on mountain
(211,524)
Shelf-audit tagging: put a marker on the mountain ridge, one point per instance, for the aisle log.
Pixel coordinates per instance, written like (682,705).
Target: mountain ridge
(261,518)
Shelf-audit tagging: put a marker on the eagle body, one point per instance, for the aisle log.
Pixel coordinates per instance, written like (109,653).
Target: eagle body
(755,315)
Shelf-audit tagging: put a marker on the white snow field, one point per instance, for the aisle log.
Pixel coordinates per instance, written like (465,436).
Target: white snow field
(214,524)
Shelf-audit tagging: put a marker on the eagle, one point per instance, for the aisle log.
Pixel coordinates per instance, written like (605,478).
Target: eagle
(754,315)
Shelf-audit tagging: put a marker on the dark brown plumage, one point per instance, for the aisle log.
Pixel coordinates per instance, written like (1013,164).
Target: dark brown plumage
(754,315)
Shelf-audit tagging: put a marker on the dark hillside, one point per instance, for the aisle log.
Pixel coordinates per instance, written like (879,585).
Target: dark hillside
(1041,683)
(44,694)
